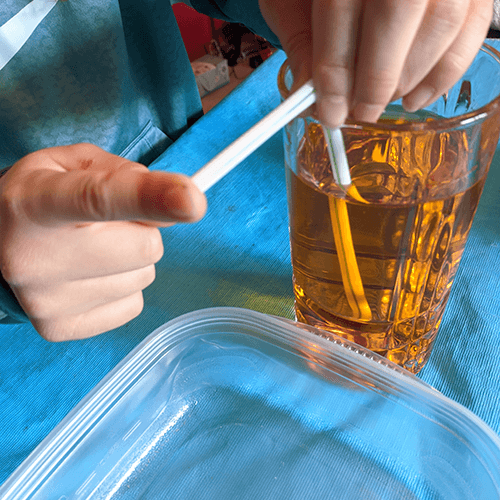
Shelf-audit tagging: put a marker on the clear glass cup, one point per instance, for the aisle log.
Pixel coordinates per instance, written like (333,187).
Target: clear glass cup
(418,179)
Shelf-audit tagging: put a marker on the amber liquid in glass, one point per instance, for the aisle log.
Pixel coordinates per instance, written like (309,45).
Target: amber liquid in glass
(407,252)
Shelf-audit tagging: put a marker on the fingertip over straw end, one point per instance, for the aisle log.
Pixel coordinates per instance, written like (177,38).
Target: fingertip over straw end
(338,156)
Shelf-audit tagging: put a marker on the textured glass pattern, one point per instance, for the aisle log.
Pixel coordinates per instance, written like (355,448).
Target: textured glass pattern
(420,177)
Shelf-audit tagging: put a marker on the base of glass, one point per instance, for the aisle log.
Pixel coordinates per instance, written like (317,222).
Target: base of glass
(411,355)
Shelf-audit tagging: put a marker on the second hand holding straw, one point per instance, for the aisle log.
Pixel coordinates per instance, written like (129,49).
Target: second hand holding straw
(257,135)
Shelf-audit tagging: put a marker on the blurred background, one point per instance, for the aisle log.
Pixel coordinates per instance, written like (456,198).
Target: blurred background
(222,54)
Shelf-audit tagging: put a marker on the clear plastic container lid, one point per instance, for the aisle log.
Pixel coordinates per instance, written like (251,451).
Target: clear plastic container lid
(229,403)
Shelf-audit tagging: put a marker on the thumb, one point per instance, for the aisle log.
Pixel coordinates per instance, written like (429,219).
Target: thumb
(129,193)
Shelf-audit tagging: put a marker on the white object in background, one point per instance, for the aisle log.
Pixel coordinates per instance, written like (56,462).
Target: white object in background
(16,31)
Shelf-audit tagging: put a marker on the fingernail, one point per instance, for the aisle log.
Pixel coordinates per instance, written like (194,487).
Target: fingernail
(185,203)
(418,98)
(332,110)
(179,201)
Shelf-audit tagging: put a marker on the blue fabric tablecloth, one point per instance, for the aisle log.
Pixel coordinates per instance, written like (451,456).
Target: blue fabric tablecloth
(238,255)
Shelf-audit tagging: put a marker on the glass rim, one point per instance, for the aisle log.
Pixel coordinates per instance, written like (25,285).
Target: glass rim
(455,122)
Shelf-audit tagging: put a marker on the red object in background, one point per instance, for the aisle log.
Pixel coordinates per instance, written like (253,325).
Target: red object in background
(195,28)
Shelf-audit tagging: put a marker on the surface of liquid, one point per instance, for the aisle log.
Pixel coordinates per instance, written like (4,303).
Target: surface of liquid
(407,249)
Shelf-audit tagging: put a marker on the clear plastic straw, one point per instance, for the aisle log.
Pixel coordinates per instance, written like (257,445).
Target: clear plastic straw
(257,135)
(246,144)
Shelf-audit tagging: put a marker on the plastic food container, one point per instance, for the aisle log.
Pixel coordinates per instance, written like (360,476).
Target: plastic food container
(228,403)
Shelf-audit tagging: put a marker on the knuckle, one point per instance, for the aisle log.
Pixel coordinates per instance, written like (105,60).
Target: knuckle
(152,247)
(148,276)
(449,25)
(381,87)
(86,149)
(483,10)
(84,325)
(11,201)
(92,199)
(49,334)
(450,13)
(52,331)
(341,64)
(16,269)
(485,19)
(333,79)
(408,5)
(37,306)
(452,67)
(10,273)
(137,305)
(383,79)
(134,307)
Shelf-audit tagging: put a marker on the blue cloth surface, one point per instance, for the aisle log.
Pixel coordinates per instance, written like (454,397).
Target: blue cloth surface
(238,255)
(116,76)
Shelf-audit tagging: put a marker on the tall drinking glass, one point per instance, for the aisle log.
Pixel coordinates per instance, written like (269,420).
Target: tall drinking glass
(418,178)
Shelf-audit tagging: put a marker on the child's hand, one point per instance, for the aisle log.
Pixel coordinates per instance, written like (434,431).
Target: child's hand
(362,54)
(79,237)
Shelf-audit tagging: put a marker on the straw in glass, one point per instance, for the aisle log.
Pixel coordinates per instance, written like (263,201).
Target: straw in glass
(351,278)
(247,143)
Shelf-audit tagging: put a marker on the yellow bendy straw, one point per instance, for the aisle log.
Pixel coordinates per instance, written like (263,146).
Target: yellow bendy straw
(353,286)
(247,143)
